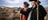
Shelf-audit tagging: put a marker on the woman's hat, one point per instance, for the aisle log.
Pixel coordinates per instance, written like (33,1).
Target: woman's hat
(25,3)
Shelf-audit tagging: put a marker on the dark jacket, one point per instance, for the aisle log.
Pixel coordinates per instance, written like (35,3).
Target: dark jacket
(25,12)
(42,13)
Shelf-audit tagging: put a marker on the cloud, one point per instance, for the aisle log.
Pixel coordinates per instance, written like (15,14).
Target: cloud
(44,2)
(19,3)
(11,3)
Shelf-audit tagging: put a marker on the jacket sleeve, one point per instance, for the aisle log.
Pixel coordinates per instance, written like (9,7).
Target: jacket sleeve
(42,11)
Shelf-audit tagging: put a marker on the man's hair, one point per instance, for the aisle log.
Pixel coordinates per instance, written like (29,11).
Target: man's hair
(25,3)
(39,2)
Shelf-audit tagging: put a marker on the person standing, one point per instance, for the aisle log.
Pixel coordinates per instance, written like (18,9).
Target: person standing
(24,11)
(41,10)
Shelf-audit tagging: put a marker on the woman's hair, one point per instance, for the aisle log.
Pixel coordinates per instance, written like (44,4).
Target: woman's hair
(26,4)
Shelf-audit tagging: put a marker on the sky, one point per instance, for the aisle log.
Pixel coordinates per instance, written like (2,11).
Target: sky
(19,3)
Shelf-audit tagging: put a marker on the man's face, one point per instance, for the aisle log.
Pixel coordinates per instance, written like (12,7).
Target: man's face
(32,3)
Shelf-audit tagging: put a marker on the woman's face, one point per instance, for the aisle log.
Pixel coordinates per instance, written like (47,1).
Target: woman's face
(25,6)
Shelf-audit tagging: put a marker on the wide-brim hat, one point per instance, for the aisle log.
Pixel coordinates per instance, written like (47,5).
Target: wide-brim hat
(33,0)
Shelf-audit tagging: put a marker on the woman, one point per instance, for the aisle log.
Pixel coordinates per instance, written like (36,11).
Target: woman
(24,11)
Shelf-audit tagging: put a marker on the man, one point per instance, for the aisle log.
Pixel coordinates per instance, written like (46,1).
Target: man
(41,10)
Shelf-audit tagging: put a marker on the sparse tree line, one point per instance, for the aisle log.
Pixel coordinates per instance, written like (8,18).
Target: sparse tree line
(8,12)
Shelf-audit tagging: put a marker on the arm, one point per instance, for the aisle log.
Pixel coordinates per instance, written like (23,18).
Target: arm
(23,17)
(43,11)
